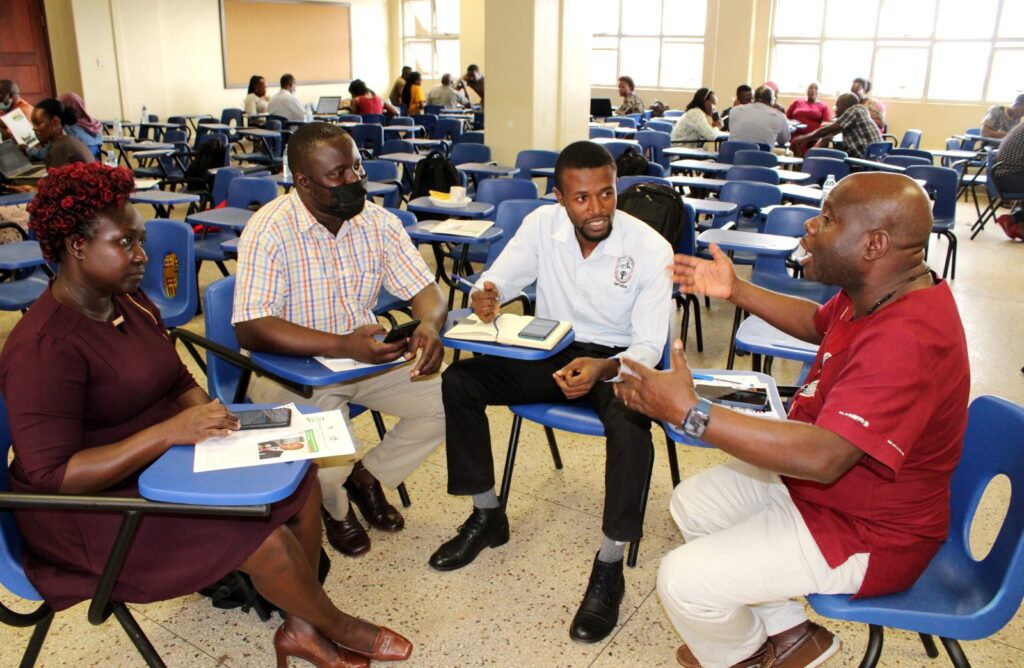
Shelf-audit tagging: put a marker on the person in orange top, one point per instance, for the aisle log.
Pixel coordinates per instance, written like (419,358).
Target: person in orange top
(10,98)
(412,95)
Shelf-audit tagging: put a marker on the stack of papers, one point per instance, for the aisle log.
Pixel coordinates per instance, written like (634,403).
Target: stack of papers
(309,436)
(462,228)
(21,128)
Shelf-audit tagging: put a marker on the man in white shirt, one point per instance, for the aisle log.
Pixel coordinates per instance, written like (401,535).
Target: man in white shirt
(446,95)
(285,103)
(760,122)
(609,280)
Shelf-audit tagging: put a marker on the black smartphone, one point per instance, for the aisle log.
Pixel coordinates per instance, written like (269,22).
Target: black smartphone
(715,116)
(264,418)
(538,329)
(753,399)
(403,331)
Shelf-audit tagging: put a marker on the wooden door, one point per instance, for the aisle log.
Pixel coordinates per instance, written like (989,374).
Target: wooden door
(24,48)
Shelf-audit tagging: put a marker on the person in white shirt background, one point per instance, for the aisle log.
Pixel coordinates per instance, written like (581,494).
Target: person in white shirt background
(285,103)
(448,96)
(604,271)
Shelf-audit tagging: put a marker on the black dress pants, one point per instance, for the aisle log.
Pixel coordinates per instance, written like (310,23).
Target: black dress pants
(469,386)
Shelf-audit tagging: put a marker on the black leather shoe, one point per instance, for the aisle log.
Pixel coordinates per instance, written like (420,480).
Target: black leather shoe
(599,611)
(372,503)
(346,536)
(486,527)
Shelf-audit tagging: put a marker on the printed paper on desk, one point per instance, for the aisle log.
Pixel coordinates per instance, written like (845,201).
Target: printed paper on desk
(462,228)
(21,128)
(309,436)
(338,364)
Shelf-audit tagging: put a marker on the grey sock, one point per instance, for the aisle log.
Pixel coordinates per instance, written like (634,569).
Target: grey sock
(486,500)
(611,550)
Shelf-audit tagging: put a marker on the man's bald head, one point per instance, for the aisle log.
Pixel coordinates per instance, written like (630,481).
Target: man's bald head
(845,101)
(890,202)
(765,95)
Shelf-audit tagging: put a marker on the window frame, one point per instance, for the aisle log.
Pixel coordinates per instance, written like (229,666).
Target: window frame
(997,45)
(431,38)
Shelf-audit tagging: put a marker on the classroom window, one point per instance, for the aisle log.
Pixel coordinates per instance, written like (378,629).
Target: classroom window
(430,37)
(950,50)
(660,43)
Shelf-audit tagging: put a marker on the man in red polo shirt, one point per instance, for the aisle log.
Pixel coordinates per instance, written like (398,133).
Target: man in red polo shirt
(851,494)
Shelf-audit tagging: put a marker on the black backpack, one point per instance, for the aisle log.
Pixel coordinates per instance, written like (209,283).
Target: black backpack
(434,172)
(659,206)
(631,163)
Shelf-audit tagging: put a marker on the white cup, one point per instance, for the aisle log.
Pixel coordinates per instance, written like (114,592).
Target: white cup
(457,194)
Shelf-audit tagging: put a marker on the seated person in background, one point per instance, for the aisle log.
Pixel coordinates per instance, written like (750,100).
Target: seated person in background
(861,87)
(365,101)
(775,89)
(85,128)
(760,122)
(604,270)
(412,94)
(395,96)
(10,98)
(475,80)
(744,95)
(448,96)
(285,103)
(96,392)
(310,267)
(700,122)
(853,120)
(1008,175)
(631,102)
(810,112)
(57,132)
(1000,120)
(850,495)
(256,100)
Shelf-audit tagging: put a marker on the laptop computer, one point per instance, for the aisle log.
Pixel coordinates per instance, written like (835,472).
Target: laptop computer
(600,107)
(328,106)
(14,164)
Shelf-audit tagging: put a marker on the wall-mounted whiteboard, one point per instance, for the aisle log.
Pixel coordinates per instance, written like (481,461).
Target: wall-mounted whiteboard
(310,40)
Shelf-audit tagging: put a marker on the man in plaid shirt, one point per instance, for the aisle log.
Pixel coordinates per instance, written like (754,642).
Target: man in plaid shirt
(852,119)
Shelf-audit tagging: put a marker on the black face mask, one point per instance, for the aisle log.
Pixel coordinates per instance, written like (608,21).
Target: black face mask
(347,201)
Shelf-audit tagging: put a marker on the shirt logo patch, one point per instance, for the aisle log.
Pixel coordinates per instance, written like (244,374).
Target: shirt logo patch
(809,389)
(623,270)
(856,418)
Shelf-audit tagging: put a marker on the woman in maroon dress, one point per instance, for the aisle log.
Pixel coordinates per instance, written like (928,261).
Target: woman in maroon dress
(811,113)
(96,392)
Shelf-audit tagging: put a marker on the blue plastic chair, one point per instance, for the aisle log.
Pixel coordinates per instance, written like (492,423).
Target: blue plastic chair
(350,118)
(531,158)
(916,152)
(243,193)
(905,160)
(820,168)
(826,153)
(673,113)
(996,197)
(434,109)
(756,158)
(402,120)
(463,153)
(959,597)
(602,133)
(624,182)
(429,122)
(623,121)
(374,119)
(654,143)
(751,198)
(368,136)
(659,126)
(877,150)
(229,116)
(221,180)
(617,147)
(447,128)
(941,184)
(654,169)
(911,139)
(166,237)
(730,148)
(471,137)
(755,173)
(397,146)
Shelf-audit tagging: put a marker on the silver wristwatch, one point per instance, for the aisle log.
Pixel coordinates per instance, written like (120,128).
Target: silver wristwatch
(697,419)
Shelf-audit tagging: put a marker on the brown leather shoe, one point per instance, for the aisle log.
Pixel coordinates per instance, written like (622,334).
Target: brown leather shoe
(370,499)
(804,646)
(346,536)
(387,646)
(686,658)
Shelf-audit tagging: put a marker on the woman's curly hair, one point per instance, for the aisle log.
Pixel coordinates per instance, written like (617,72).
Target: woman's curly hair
(69,199)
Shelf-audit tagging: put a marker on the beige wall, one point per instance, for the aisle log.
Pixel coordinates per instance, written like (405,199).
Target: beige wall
(63,46)
(166,54)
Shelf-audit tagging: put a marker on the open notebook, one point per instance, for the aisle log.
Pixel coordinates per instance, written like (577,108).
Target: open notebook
(506,330)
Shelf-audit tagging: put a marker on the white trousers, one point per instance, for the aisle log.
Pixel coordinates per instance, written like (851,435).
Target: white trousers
(420,429)
(747,552)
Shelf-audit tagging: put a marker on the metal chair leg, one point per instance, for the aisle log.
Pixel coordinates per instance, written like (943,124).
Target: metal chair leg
(929,645)
(874,649)
(553,446)
(634,546)
(510,461)
(138,638)
(736,319)
(956,654)
(35,643)
(696,322)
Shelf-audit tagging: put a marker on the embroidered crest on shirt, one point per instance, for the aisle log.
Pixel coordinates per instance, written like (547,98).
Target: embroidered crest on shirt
(623,270)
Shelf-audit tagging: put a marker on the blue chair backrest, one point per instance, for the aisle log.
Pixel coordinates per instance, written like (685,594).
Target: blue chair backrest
(429,122)
(784,221)
(688,239)
(877,150)
(368,136)
(246,191)
(623,121)
(463,153)
(911,139)
(729,148)
(375,119)
(350,118)
(478,120)
(659,126)
(529,159)
(434,109)
(447,128)
(826,153)
(381,170)
(624,182)
(752,173)
(397,146)
(654,169)
(12,573)
(509,217)
(941,183)
(221,376)
(751,198)
(165,237)
(617,148)
(407,217)
(494,191)
(402,120)
(471,137)
(905,160)
(673,113)
(758,158)
(221,180)
(602,133)
(970,144)
(916,152)
(654,143)
(227,116)
(820,168)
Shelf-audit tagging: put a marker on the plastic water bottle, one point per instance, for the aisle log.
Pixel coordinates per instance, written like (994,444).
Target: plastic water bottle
(110,160)
(829,184)
(145,116)
(308,115)
(285,170)
(118,130)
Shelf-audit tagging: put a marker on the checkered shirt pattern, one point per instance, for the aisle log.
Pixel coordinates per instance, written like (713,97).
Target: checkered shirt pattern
(859,131)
